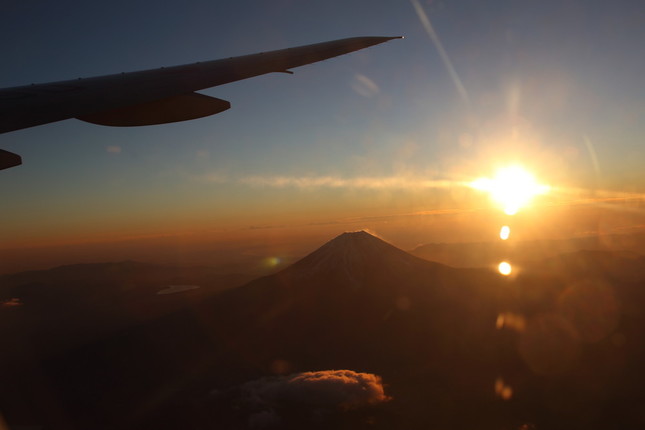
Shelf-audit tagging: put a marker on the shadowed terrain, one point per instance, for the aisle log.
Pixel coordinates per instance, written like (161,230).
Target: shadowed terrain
(556,346)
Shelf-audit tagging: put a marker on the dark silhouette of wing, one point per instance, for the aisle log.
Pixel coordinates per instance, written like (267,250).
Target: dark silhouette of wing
(152,96)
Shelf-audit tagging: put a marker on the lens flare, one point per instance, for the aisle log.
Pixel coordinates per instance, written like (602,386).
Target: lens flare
(511,321)
(272,261)
(503,390)
(504,268)
(505,232)
(512,188)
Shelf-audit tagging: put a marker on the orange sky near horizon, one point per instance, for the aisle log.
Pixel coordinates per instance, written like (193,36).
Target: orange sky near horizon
(549,217)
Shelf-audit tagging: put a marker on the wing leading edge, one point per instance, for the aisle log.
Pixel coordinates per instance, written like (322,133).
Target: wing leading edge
(154,96)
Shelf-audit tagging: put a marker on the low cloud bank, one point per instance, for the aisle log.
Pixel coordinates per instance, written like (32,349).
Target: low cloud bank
(345,389)
(308,397)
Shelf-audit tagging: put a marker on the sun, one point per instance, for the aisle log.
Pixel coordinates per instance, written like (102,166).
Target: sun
(513,187)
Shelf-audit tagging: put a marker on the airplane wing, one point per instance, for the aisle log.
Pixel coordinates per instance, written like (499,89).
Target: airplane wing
(155,96)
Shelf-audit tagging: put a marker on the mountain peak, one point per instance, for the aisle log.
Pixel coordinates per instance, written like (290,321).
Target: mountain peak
(357,233)
(353,242)
(355,254)
(359,236)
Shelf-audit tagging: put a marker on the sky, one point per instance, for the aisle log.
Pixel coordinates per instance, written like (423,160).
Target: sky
(384,138)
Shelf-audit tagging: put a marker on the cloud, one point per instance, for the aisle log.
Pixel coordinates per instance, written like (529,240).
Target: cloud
(113,149)
(590,196)
(344,389)
(388,182)
(331,181)
(300,400)
(372,219)
(12,302)
(378,218)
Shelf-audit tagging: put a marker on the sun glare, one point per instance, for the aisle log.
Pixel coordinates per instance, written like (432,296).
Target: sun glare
(504,268)
(504,232)
(512,187)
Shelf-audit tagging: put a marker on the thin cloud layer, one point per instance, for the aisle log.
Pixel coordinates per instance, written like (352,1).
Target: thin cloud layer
(339,182)
(331,181)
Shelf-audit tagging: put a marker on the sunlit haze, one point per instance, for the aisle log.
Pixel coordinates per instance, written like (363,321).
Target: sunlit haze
(387,138)
(512,188)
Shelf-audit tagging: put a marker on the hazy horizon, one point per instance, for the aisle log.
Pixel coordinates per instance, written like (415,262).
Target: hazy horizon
(385,139)
(285,243)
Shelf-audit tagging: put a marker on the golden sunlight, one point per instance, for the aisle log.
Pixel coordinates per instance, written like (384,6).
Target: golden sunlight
(504,232)
(504,268)
(512,187)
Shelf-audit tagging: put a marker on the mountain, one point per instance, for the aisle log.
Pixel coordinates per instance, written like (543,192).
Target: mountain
(357,254)
(355,301)
(455,348)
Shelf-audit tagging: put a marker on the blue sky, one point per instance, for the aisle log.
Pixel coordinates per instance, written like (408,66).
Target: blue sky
(550,84)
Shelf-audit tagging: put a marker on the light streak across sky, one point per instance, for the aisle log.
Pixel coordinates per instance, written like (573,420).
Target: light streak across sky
(427,25)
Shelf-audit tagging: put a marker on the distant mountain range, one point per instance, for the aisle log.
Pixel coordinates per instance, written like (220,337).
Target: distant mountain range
(556,345)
